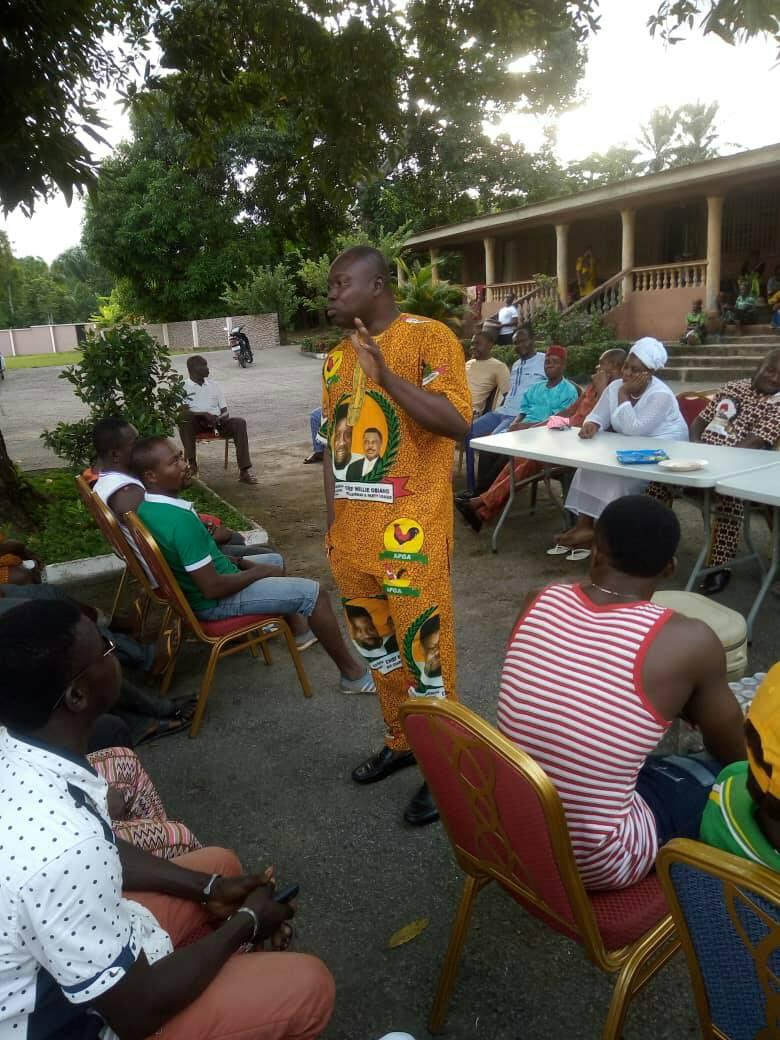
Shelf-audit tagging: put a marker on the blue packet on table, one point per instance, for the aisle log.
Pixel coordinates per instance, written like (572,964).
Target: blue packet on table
(642,456)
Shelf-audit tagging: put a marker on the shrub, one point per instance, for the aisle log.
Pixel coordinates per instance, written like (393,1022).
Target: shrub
(123,371)
(266,290)
(322,342)
(420,294)
(581,361)
(506,353)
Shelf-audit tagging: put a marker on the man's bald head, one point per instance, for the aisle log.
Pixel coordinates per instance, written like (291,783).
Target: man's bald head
(367,256)
(359,286)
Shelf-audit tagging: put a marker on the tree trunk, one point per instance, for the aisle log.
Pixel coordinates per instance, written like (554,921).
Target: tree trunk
(18,500)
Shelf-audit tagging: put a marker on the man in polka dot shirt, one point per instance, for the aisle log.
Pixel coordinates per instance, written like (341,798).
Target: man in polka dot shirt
(78,959)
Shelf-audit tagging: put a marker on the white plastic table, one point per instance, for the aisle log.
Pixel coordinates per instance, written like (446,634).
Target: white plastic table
(566,448)
(760,486)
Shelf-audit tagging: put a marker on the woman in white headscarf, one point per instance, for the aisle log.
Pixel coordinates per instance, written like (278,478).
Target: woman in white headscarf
(638,405)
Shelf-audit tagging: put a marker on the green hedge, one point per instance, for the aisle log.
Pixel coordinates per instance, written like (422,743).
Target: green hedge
(67,532)
(582,359)
(321,342)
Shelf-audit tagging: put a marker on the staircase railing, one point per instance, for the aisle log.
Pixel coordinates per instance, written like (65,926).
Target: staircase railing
(692,274)
(603,299)
(539,296)
(500,290)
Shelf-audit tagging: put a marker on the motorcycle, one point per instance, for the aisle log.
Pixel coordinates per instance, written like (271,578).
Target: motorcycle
(239,345)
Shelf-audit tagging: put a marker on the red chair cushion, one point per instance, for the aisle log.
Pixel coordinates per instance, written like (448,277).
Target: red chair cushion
(626,914)
(228,625)
(208,435)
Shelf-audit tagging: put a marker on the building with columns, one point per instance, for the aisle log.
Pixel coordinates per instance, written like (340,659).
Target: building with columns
(660,241)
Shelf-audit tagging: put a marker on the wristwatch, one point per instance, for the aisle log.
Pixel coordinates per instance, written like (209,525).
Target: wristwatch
(209,886)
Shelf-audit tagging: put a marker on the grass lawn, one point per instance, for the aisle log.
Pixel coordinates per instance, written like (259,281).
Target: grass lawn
(67,532)
(68,357)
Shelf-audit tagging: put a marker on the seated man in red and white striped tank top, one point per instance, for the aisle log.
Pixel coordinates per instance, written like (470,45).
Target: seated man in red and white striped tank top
(594,673)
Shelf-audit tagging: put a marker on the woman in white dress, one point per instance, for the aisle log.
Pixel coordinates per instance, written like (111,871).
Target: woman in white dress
(638,405)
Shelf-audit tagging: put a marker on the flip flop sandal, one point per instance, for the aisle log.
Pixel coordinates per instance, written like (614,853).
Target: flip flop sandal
(164,728)
(578,554)
(315,457)
(185,708)
(307,640)
(558,550)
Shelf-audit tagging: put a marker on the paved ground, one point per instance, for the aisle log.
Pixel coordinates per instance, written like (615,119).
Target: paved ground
(269,774)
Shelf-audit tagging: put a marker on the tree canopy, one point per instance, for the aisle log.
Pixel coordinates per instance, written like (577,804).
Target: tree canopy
(34,293)
(355,86)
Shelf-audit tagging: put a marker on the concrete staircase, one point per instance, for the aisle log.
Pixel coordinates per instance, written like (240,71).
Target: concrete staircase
(722,358)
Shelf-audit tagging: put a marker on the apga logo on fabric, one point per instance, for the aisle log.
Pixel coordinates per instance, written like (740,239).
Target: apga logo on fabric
(429,373)
(403,540)
(398,582)
(330,370)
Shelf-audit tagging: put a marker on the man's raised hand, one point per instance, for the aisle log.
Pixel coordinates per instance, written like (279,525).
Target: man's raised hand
(368,353)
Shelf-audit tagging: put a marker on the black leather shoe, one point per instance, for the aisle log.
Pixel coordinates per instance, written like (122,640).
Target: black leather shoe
(382,764)
(422,808)
(712,584)
(472,518)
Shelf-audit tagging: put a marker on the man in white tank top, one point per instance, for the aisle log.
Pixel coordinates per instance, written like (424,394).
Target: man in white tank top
(593,677)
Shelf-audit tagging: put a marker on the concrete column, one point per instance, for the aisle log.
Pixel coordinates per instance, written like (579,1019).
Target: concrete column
(195,336)
(166,338)
(490,260)
(714,229)
(53,340)
(628,220)
(434,254)
(13,345)
(400,273)
(562,261)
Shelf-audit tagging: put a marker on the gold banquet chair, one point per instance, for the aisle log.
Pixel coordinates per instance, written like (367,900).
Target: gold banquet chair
(727,913)
(226,637)
(108,525)
(505,822)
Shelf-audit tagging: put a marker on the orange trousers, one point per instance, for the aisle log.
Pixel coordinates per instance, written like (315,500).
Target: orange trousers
(400,620)
(256,996)
(497,495)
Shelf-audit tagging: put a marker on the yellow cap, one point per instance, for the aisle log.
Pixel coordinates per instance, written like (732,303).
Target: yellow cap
(764,715)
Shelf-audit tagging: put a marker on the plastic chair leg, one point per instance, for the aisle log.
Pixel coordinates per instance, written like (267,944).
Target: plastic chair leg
(227,447)
(449,969)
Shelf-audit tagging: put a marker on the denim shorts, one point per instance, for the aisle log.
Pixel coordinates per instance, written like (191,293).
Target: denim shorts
(676,789)
(267,596)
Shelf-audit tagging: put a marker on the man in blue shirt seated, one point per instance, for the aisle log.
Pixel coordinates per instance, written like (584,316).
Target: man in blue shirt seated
(527,370)
(553,395)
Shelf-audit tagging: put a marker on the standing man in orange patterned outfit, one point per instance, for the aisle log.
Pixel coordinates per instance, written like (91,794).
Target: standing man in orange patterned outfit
(396,384)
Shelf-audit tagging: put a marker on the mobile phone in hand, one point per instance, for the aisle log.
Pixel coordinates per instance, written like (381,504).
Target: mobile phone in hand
(284,895)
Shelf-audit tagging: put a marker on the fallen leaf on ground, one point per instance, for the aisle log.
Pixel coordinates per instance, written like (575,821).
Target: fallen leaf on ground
(408,932)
